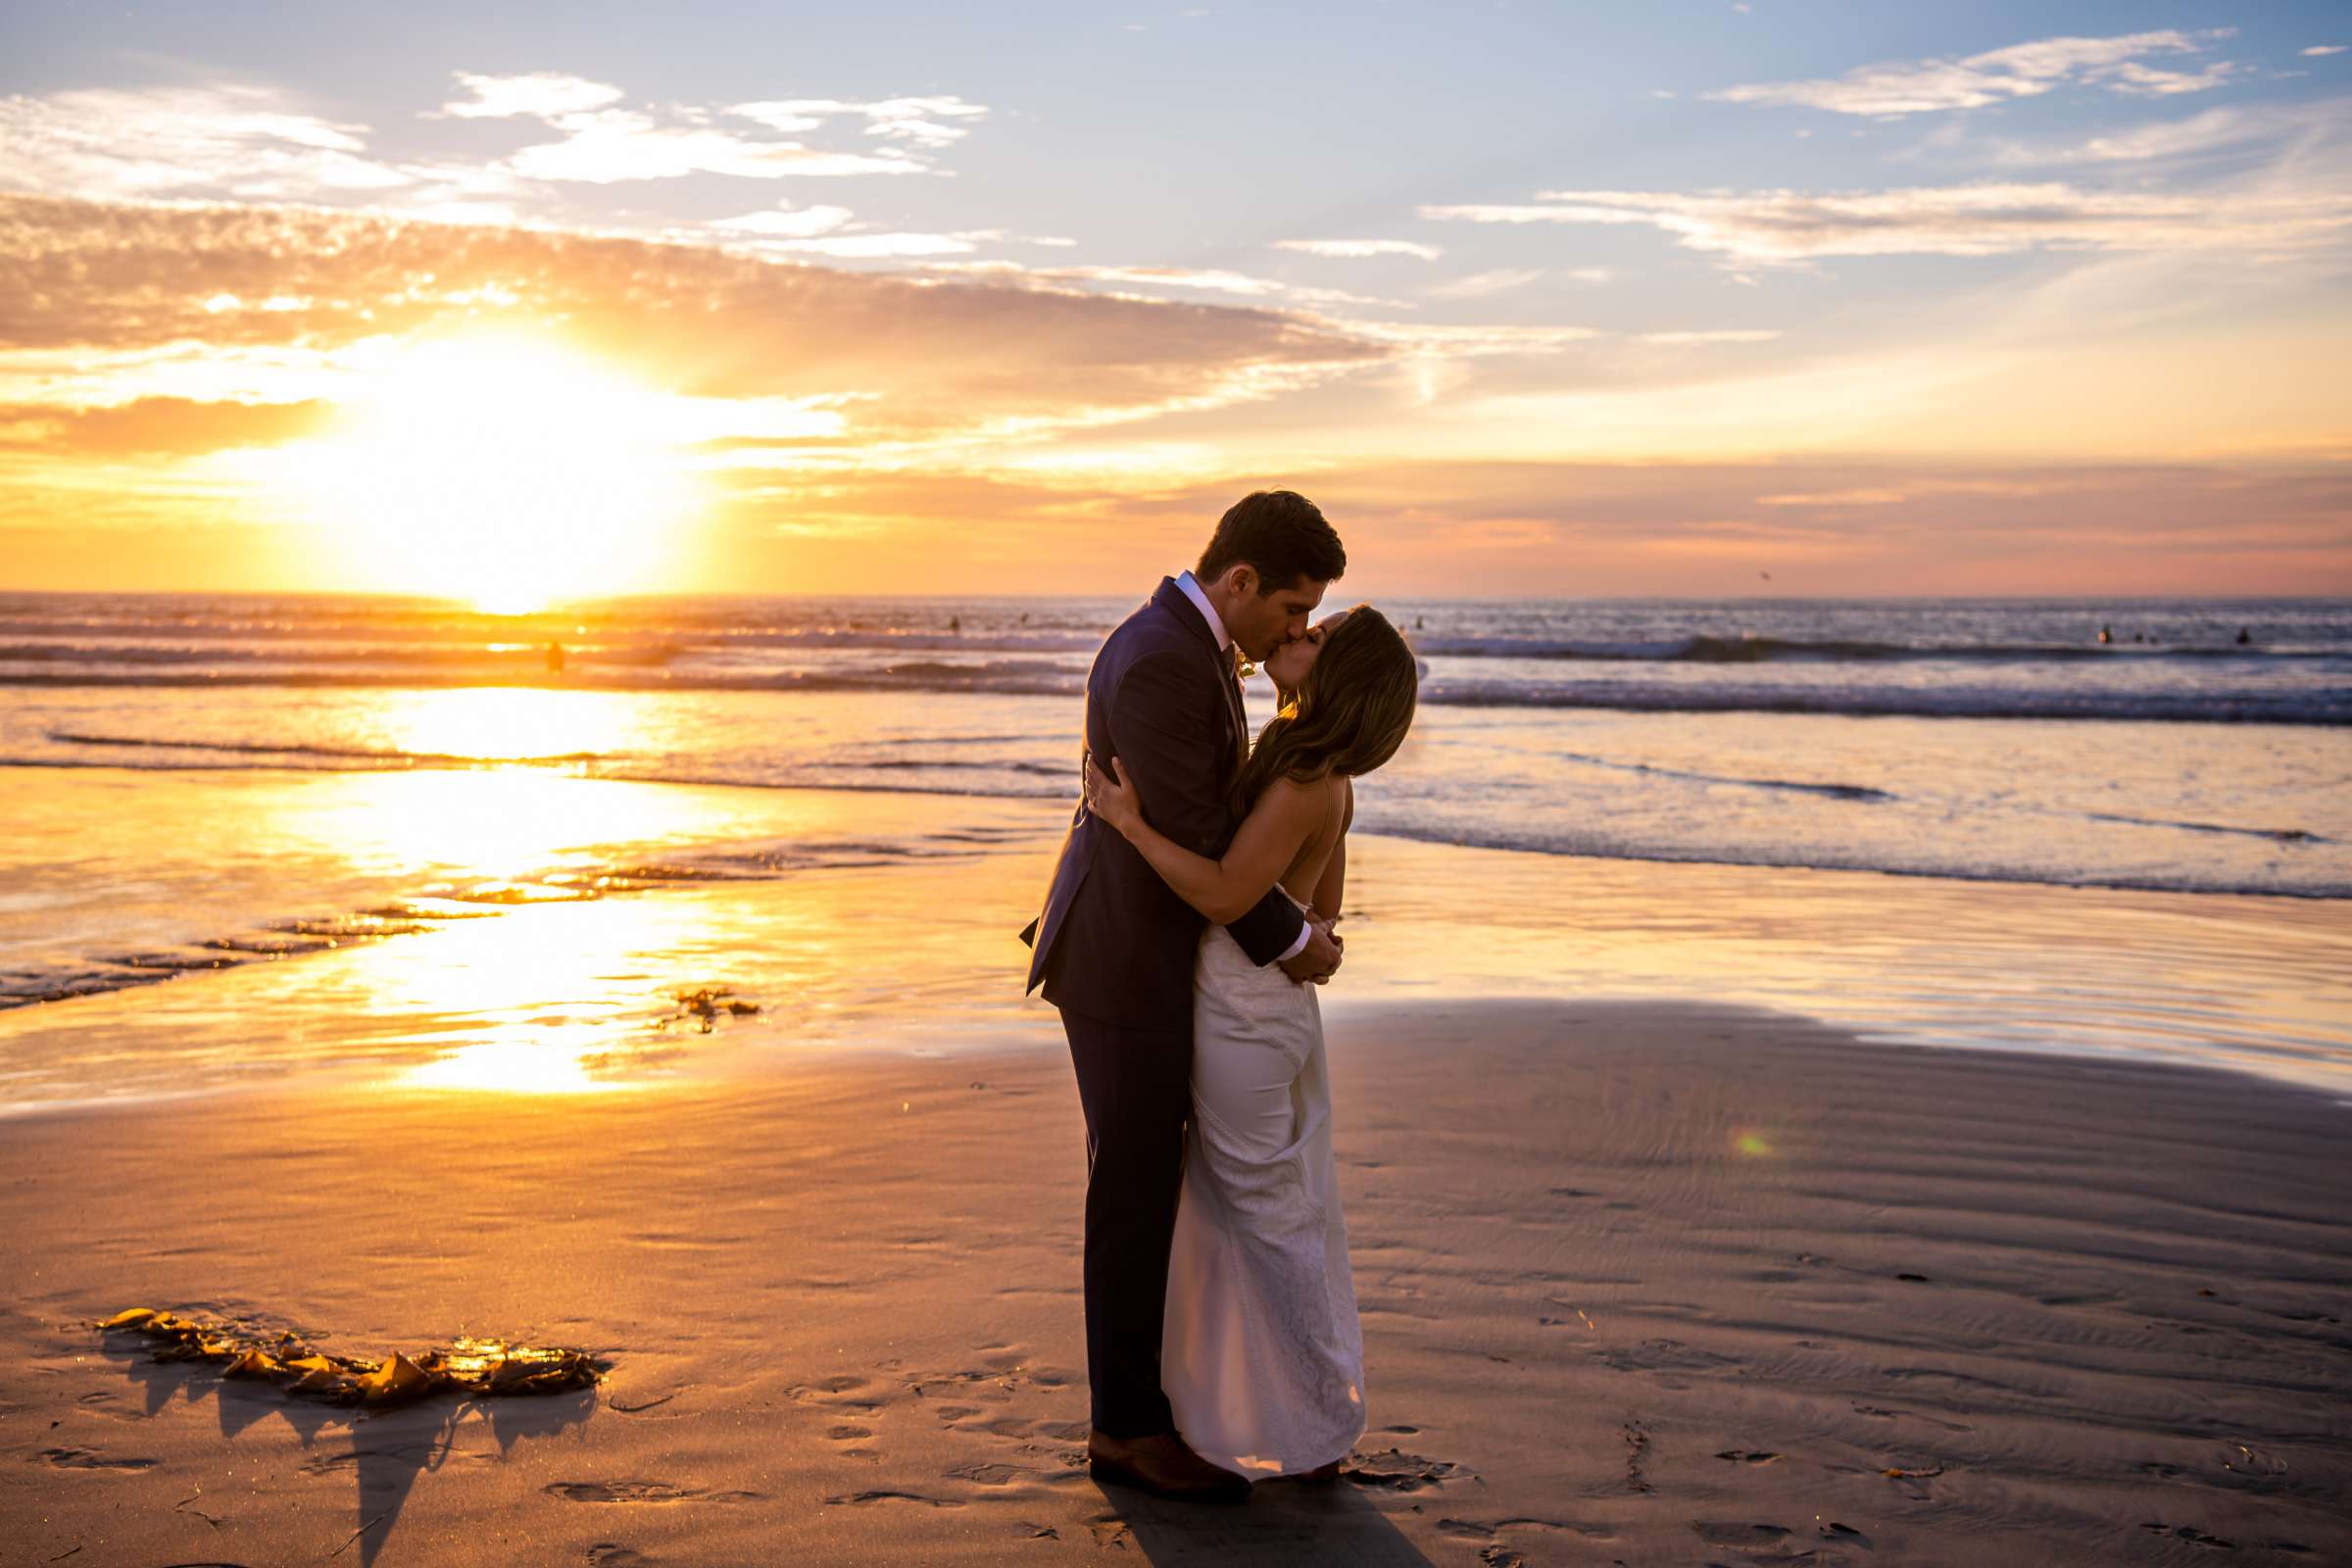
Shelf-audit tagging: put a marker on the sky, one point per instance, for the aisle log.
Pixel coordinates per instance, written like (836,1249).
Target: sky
(514,301)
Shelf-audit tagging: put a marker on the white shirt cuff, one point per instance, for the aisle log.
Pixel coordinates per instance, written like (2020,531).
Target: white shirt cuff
(1297,947)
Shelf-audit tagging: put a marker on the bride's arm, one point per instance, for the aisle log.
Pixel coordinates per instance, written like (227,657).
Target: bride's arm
(1326,902)
(1225,890)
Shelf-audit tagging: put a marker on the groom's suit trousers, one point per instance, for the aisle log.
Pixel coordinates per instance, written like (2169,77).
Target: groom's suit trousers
(1134,1086)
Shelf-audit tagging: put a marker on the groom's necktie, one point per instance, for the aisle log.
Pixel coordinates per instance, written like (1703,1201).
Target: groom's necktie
(1233,700)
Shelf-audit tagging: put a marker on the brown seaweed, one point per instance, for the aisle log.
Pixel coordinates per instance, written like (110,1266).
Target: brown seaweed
(465,1365)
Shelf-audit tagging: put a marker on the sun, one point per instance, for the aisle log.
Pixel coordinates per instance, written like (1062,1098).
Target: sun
(511,472)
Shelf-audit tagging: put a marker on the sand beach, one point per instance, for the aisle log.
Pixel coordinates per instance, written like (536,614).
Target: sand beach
(1661,1281)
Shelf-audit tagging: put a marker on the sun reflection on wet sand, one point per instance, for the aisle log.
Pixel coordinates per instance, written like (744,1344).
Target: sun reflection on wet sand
(886,922)
(879,936)
(495,722)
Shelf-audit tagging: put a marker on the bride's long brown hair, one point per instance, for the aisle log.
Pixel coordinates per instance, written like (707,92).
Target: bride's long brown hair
(1349,714)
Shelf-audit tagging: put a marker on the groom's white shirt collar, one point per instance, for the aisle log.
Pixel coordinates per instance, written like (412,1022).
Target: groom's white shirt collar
(1208,612)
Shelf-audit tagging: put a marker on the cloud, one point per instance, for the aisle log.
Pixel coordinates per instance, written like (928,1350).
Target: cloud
(1875,497)
(1734,334)
(88,286)
(1360,247)
(1472,342)
(787,222)
(1999,76)
(2320,50)
(161,427)
(1478,286)
(251,143)
(607,146)
(1212,281)
(872,247)
(2213,131)
(542,96)
(1785,226)
(925,122)
(1831,527)
(236,140)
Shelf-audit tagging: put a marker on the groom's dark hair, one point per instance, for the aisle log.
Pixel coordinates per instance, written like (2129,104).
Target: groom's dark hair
(1282,534)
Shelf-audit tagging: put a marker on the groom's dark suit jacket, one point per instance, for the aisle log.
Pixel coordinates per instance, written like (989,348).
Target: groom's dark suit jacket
(1114,943)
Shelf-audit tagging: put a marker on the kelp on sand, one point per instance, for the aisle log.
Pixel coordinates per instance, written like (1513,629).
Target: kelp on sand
(465,1365)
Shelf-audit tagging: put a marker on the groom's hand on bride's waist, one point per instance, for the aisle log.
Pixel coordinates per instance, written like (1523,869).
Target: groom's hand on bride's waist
(1319,959)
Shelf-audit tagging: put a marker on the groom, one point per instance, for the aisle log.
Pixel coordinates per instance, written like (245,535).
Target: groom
(1115,947)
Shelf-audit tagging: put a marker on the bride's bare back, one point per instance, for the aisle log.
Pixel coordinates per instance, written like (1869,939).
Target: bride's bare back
(1333,799)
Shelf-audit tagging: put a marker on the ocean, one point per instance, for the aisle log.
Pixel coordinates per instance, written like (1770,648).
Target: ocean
(198,782)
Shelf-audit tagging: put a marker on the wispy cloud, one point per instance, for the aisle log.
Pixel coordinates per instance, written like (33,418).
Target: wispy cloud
(1360,247)
(1725,334)
(1209,280)
(542,96)
(160,426)
(1472,342)
(606,146)
(2220,130)
(2000,75)
(604,143)
(250,143)
(922,122)
(2320,51)
(1784,227)
(1481,285)
(787,222)
(879,246)
(231,140)
(104,302)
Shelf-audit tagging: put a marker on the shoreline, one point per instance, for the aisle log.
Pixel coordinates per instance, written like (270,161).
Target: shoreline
(573,957)
(1644,1283)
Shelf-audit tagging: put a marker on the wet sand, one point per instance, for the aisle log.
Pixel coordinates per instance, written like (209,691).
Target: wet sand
(1643,1283)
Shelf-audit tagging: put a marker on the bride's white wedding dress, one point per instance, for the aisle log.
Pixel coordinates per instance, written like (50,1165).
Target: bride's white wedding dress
(1261,1356)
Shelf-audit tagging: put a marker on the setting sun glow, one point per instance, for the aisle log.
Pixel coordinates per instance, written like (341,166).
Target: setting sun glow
(508,473)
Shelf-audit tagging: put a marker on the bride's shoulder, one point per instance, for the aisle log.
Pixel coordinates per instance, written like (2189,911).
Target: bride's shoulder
(1306,797)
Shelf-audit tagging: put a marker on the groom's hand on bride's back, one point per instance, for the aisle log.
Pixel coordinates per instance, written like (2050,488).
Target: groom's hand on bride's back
(1319,959)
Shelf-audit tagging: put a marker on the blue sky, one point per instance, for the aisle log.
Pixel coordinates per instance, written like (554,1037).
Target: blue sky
(1894,250)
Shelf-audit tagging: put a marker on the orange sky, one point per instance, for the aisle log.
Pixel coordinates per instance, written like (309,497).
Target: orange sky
(1957,359)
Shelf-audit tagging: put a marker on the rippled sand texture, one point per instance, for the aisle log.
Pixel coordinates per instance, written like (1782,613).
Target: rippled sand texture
(1652,1285)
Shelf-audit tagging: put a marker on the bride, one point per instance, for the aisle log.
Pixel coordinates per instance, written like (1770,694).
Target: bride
(1262,1358)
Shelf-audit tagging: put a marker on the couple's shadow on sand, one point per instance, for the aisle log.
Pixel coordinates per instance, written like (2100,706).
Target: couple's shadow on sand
(383,1451)
(1281,1522)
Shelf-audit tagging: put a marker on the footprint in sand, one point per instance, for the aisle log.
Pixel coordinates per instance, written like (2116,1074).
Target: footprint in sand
(1661,1356)
(1395,1470)
(1110,1532)
(1472,1530)
(1749,1456)
(856,1499)
(1739,1538)
(848,1433)
(641,1492)
(88,1459)
(2195,1537)
(992,1475)
(835,1394)
(613,1554)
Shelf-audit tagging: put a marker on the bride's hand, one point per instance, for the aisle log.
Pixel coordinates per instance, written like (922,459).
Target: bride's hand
(1110,797)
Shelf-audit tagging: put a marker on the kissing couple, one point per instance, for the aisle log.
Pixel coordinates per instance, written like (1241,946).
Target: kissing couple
(1186,927)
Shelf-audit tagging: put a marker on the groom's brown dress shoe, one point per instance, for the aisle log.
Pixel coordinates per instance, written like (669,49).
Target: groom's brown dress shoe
(1162,1467)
